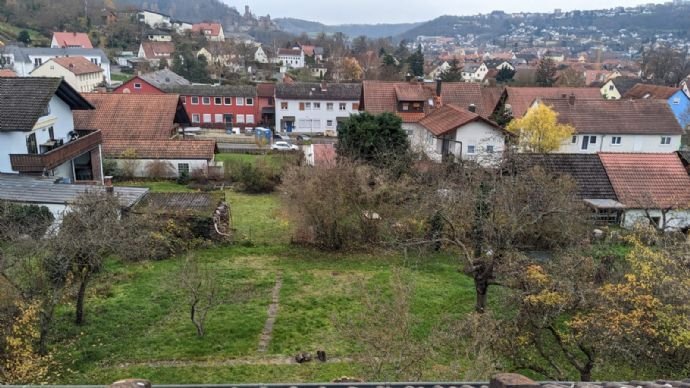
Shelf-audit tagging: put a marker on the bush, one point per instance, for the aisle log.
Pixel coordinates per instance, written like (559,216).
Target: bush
(160,169)
(258,178)
(183,178)
(17,220)
(110,168)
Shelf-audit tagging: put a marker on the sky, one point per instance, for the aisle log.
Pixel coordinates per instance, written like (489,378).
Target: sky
(399,11)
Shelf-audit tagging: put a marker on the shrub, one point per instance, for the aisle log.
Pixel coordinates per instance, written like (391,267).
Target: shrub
(110,168)
(254,178)
(183,178)
(17,220)
(160,169)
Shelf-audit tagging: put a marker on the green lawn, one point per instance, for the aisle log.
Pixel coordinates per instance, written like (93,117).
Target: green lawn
(137,320)
(120,77)
(12,31)
(161,186)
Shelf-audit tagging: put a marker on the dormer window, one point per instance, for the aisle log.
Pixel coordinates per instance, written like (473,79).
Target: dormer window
(405,107)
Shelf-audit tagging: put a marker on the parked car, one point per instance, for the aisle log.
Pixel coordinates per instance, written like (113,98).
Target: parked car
(283,146)
(281,137)
(303,138)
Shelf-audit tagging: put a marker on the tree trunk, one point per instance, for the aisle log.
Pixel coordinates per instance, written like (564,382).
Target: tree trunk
(81,294)
(481,287)
(44,328)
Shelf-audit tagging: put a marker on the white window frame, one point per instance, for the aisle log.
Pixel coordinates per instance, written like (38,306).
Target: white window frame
(225,101)
(287,105)
(196,119)
(204,99)
(195,98)
(249,101)
(216,99)
(329,123)
(317,106)
(666,140)
(471,149)
(342,107)
(249,119)
(207,117)
(573,140)
(616,140)
(329,106)
(239,101)
(218,118)
(307,106)
(137,85)
(239,119)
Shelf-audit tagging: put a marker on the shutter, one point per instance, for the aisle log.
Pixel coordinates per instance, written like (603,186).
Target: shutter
(301,106)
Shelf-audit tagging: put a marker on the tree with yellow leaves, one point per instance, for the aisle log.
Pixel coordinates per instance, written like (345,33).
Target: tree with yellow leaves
(21,362)
(539,130)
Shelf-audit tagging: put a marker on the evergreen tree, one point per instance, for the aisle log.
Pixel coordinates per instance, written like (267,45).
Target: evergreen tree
(416,62)
(454,74)
(546,72)
(24,37)
(505,74)
(376,139)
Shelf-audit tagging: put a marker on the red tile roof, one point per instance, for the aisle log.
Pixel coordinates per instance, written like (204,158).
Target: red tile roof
(644,117)
(448,118)
(382,96)
(293,52)
(212,28)
(521,99)
(78,65)
(7,73)
(72,39)
(308,50)
(643,180)
(161,149)
(130,116)
(265,89)
(158,50)
(651,91)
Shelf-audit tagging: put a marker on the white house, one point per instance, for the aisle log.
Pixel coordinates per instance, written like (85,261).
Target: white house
(154,19)
(23,60)
(261,55)
(291,58)
(212,31)
(455,132)
(37,131)
(617,125)
(473,72)
(314,107)
(80,73)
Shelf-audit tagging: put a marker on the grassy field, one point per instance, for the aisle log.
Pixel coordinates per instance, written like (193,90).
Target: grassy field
(138,324)
(120,77)
(13,32)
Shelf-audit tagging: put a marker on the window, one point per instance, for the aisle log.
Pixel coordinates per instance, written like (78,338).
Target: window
(329,106)
(183,168)
(592,140)
(317,106)
(240,101)
(342,106)
(195,118)
(405,106)
(228,118)
(676,101)
(228,100)
(616,140)
(137,86)
(184,99)
(195,100)
(329,123)
(304,124)
(665,140)
(611,87)
(51,133)
(307,105)
(206,100)
(31,145)
(489,149)
(218,118)
(207,117)
(249,101)
(250,119)
(283,106)
(574,140)
(240,119)
(218,100)
(470,149)
(38,62)
(316,124)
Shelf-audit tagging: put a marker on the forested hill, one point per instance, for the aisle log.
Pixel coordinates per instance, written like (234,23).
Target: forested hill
(299,26)
(192,11)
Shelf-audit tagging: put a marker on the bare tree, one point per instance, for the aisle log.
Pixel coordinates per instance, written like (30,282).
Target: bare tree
(202,290)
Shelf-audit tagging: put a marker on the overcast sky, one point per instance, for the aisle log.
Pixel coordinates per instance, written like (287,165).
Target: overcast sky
(397,11)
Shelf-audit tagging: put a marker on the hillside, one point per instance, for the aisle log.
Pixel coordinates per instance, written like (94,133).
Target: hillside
(192,11)
(299,26)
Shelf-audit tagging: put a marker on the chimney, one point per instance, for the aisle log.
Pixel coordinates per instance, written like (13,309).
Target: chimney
(108,183)
(408,77)
(472,108)
(439,86)
(324,86)
(571,99)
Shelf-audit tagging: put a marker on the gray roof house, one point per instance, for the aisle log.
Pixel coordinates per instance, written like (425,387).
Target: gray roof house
(23,60)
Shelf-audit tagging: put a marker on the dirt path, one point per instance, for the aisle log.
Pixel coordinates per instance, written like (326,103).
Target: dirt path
(265,360)
(267,333)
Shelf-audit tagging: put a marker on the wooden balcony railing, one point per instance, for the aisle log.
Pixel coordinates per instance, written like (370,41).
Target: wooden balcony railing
(38,163)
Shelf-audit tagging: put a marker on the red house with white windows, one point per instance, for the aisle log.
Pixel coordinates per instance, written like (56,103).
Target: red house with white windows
(220,106)
(265,93)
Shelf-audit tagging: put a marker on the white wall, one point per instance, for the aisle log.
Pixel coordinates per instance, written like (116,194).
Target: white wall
(478,134)
(24,69)
(141,166)
(676,219)
(154,20)
(318,117)
(14,142)
(629,143)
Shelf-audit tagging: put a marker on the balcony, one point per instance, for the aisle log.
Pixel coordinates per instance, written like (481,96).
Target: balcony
(39,163)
